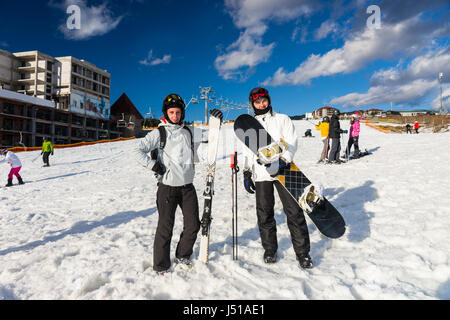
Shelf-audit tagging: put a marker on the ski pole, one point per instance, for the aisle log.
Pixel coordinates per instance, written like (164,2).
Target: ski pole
(35,158)
(234,224)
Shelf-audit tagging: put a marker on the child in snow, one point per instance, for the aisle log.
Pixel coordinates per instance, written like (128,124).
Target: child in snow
(47,149)
(324,128)
(278,126)
(353,138)
(174,168)
(16,165)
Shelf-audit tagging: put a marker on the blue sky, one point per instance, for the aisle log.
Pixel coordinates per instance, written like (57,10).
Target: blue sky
(307,53)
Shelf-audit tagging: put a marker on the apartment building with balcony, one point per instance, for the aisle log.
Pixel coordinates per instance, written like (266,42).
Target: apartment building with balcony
(74,85)
(65,99)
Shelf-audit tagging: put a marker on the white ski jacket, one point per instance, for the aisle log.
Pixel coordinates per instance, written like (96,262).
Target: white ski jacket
(177,155)
(12,159)
(278,126)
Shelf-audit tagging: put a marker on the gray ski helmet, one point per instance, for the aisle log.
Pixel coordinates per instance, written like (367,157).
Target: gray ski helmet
(173,100)
(257,92)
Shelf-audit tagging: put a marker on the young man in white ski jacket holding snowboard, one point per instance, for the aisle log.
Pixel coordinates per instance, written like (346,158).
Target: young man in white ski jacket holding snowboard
(257,179)
(173,164)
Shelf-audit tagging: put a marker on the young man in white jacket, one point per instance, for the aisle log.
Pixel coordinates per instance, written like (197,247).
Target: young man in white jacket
(173,165)
(256,178)
(16,165)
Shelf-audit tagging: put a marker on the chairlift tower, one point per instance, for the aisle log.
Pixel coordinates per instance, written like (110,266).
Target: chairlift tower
(204,91)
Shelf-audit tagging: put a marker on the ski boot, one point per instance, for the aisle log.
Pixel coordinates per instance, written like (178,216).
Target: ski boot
(185,263)
(20,180)
(9,184)
(305,261)
(270,257)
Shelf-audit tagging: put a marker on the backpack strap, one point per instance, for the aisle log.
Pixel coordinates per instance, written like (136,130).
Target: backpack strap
(162,142)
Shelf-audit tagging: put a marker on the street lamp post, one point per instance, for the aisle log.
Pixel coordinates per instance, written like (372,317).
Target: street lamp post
(441,77)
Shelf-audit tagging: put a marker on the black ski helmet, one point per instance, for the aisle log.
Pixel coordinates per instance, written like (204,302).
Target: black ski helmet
(326,119)
(173,100)
(257,92)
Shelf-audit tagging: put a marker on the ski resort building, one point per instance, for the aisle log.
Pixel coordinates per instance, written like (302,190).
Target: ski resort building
(324,111)
(129,120)
(64,99)
(26,120)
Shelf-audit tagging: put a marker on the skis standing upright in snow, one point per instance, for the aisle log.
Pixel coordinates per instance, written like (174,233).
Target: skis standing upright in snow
(215,121)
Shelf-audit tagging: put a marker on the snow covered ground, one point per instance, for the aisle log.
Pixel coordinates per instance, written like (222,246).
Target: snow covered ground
(84,227)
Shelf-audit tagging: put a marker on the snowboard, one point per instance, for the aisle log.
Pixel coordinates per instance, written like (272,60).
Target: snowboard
(205,223)
(361,154)
(324,215)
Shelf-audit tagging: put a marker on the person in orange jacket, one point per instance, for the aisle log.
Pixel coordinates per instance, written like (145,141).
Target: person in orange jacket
(324,127)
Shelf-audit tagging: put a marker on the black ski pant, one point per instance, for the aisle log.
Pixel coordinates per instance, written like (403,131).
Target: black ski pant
(167,200)
(296,222)
(335,149)
(352,141)
(45,157)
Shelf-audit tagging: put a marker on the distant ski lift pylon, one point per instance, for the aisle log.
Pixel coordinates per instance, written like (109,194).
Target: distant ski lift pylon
(121,122)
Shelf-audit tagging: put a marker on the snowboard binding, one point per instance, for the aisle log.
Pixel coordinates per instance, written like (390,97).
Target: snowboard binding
(311,198)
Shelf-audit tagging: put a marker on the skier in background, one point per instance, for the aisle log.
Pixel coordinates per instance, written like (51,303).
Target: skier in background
(47,149)
(173,165)
(16,165)
(324,128)
(416,126)
(335,137)
(408,128)
(353,138)
(278,126)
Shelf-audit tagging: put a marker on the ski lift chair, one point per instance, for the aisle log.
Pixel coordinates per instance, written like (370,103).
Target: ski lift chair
(131,124)
(121,122)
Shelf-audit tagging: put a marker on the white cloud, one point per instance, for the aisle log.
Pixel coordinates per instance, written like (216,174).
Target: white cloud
(95,20)
(253,16)
(151,61)
(405,37)
(403,86)
(326,28)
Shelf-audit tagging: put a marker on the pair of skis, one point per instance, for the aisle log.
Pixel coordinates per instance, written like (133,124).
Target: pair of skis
(205,223)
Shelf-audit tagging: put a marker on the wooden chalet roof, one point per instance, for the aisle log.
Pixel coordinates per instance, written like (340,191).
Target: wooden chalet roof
(124,105)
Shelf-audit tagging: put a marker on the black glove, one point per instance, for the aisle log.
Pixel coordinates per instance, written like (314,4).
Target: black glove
(159,168)
(216,113)
(42,153)
(248,182)
(52,152)
(344,131)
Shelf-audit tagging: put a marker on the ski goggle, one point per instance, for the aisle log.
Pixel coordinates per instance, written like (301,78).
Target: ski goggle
(260,93)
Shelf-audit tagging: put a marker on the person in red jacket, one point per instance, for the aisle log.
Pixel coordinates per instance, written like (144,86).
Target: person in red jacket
(416,127)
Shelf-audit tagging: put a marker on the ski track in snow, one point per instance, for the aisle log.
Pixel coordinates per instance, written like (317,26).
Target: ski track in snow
(84,227)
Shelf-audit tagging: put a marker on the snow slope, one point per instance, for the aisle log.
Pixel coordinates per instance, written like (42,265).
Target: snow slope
(84,227)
